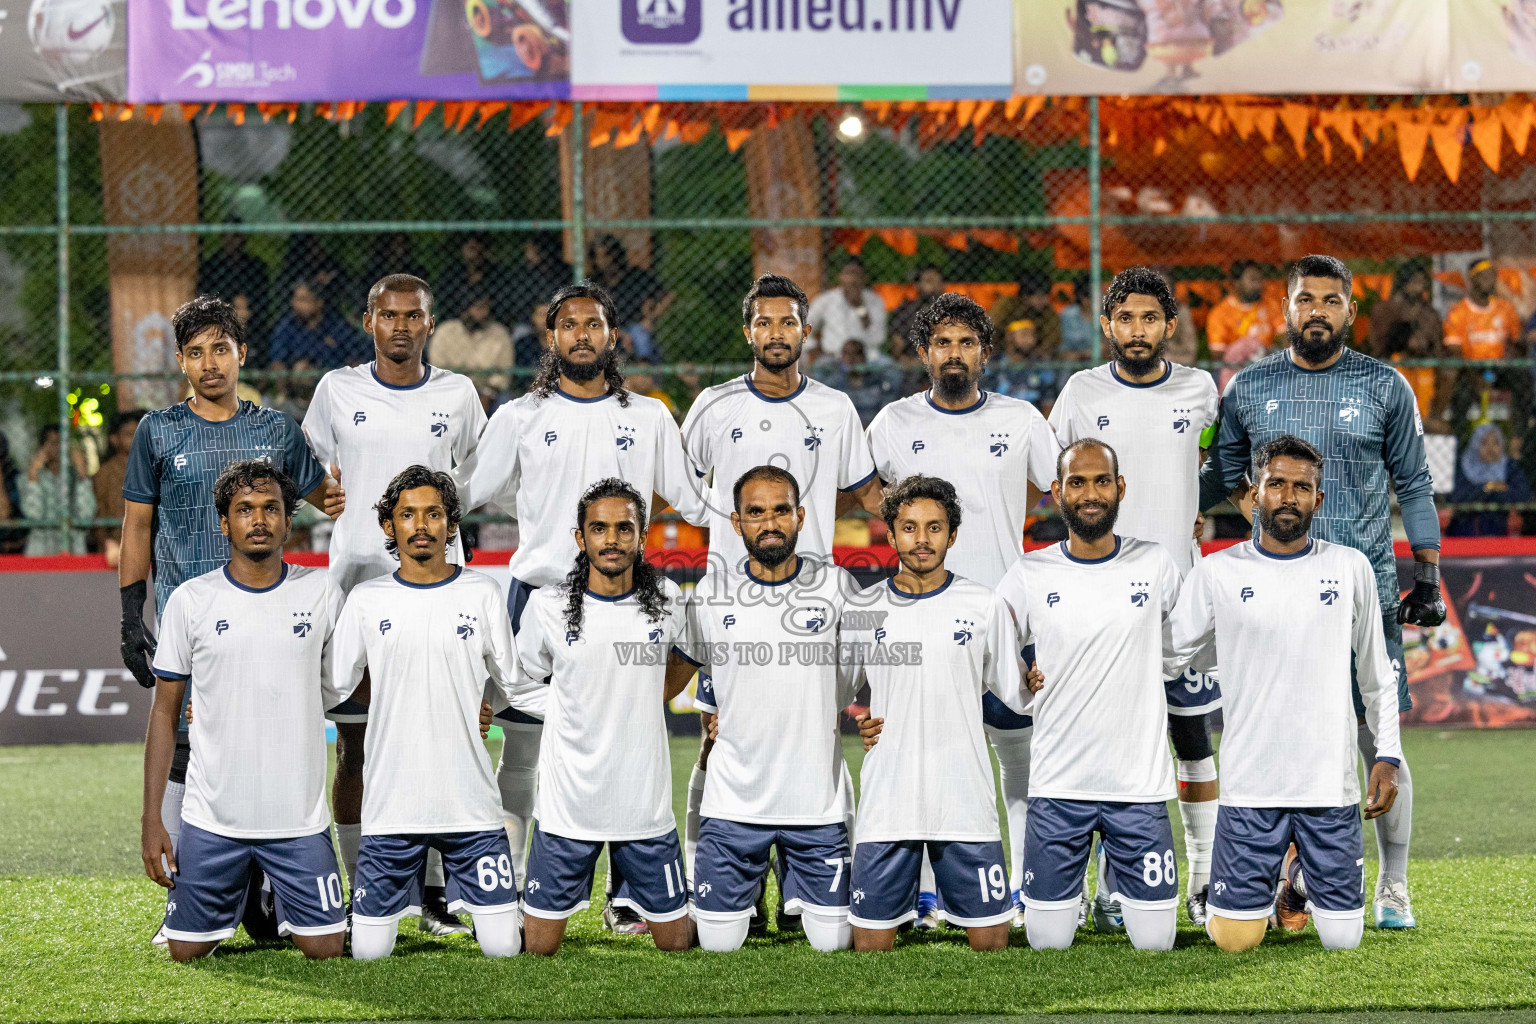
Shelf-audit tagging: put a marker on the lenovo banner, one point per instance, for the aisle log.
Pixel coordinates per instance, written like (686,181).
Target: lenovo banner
(61,50)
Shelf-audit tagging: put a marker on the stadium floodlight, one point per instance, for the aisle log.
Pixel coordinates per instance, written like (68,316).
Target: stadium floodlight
(851,126)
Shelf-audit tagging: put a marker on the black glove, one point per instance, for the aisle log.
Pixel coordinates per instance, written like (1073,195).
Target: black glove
(138,646)
(1423,606)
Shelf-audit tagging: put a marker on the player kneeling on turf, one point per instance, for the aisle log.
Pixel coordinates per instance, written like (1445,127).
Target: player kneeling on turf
(1288,613)
(776,776)
(429,635)
(248,639)
(598,657)
(1094,607)
(930,643)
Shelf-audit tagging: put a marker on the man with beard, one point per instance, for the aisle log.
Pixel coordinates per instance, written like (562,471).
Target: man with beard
(1000,455)
(778,778)
(371,422)
(1159,417)
(577,425)
(773,416)
(1296,621)
(1094,608)
(1363,414)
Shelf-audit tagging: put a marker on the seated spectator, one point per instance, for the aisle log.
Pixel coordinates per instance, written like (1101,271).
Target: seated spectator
(1244,325)
(237,277)
(930,285)
(1032,303)
(312,336)
(45,497)
(1483,325)
(1012,375)
(1486,474)
(544,270)
(638,297)
(852,310)
(869,387)
(107,484)
(392,254)
(11,538)
(307,260)
(1079,322)
(473,343)
(528,337)
(472,276)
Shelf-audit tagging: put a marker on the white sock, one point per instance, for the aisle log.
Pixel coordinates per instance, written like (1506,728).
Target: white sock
(1101,869)
(1050,929)
(827,930)
(348,836)
(434,869)
(925,881)
(1151,929)
(1339,932)
(373,941)
(1012,749)
(499,934)
(692,819)
(1394,829)
(1199,836)
(170,815)
(722,936)
(517,777)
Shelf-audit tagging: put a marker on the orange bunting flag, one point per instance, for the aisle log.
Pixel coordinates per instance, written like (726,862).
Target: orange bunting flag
(1488,136)
(423,108)
(1412,138)
(1517,117)
(392,110)
(1296,117)
(1264,119)
(1447,139)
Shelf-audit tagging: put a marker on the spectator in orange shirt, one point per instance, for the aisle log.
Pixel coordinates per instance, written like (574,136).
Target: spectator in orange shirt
(1243,326)
(1482,325)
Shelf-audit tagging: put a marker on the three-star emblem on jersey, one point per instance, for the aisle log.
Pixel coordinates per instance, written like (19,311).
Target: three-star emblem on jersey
(384,626)
(1349,413)
(813,438)
(963,629)
(439,424)
(1330,592)
(220,626)
(655,635)
(550,437)
(466,626)
(998,445)
(1181,420)
(359,418)
(625,438)
(302,626)
(1245,594)
(815,618)
(1138,594)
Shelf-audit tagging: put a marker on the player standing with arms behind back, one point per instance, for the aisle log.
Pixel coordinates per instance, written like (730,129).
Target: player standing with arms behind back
(1362,416)
(372,422)
(1000,455)
(1158,416)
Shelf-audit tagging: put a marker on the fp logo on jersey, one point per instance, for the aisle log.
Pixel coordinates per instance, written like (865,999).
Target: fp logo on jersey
(1330,592)
(728,621)
(813,439)
(963,631)
(571,636)
(301,627)
(550,437)
(1181,420)
(1139,594)
(180,462)
(383,626)
(735,434)
(880,634)
(466,626)
(1271,405)
(439,424)
(1245,594)
(1103,422)
(1051,599)
(220,626)
(625,438)
(359,418)
(998,446)
(918,446)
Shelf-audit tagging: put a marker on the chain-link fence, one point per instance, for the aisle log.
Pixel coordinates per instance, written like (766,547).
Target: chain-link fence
(292,219)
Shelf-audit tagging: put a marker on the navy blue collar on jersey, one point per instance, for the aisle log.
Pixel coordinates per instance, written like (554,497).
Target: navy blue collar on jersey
(918,597)
(804,382)
(256,590)
(1167,372)
(240,409)
(747,568)
(426,373)
(429,586)
(928,397)
(594,595)
(1091,561)
(584,401)
(1283,558)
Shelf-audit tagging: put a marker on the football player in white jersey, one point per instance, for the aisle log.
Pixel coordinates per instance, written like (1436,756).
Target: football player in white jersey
(1159,417)
(779,779)
(368,423)
(930,643)
(249,639)
(773,416)
(1095,608)
(1289,613)
(435,644)
(598,657)
(1000,455)
(576,425)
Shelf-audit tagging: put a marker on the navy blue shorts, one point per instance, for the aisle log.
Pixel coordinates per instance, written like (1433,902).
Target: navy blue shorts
(1137,841)
(477,867)
(560,873)
(517,600)
(349,712)
(1250,849)
(214,873)
(1000,716)
(970,877)
(1393,631)
(1193,693)
(732,856)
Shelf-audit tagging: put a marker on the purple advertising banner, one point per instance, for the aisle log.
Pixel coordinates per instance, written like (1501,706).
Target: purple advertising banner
(285,51)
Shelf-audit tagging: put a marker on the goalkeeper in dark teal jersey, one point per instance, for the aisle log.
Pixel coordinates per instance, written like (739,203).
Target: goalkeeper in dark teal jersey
(1362,415)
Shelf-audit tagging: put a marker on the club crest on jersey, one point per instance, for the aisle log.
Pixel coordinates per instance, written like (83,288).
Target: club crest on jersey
(963,629)
(1245,594)
(703,888)
(440,424)
(1103,422)
(1218,887)
(625,438)
(359,417)
(358,894)
(533,885)
(1349,413)
(654,636)
(808,620)
(1330,592)
(858,896)
(728,621)
(813,438)
(550,437)
(1051,599)
(466,626)
(302,626)
(220,626)
(918,446)
(1271,405)
(1181,420)
(998,445)
(1029,877)
(571,636)
(735,434)
(384,626)
(1138,594)
(170,907)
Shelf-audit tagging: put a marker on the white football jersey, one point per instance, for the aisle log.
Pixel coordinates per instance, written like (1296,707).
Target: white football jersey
(991,452)
(1098,629)
(813,433)
(928,659)
(1156,430)
(253,661)
(545,452)
(433,652)
(605,768)
(371,431)
(778,759)
(1285,629)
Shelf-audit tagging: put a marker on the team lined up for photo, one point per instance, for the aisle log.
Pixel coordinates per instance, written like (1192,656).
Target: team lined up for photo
(1074,661)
